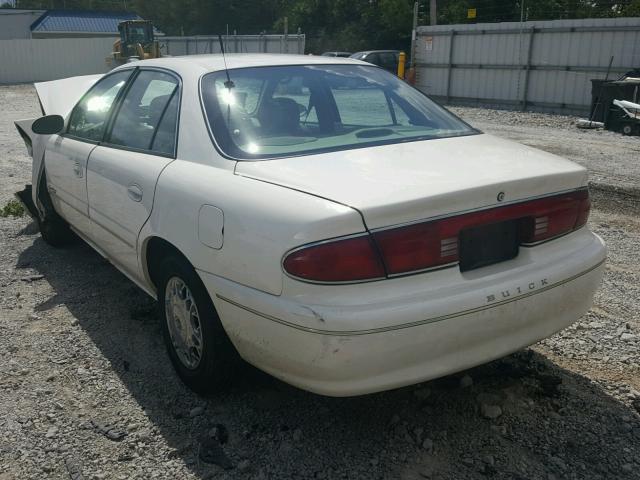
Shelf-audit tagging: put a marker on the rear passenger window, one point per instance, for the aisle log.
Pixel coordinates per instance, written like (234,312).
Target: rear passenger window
(90,115)
(165,135)
(147,116)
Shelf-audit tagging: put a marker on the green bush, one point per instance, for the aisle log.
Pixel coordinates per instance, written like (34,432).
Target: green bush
(13,208)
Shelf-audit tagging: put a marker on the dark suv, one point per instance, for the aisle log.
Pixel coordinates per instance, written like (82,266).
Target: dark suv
(387,59)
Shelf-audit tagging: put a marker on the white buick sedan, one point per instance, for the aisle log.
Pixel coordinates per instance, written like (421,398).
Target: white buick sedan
(317,216)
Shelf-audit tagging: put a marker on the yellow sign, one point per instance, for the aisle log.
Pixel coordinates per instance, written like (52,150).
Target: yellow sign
(471,13)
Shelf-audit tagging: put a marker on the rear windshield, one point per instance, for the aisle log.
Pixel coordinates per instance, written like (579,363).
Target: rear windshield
(269,112)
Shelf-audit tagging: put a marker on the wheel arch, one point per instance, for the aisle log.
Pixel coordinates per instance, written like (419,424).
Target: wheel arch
(221,350)
(154,249)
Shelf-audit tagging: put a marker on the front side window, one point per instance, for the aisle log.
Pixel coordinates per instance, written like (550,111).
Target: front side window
(296,110)
(138,34)
(88,118)
(146,119)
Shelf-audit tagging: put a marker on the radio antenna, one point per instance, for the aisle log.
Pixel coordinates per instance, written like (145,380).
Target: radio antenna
(229,84)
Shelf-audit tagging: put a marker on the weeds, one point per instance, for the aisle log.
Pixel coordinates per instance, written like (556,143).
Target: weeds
(13,208)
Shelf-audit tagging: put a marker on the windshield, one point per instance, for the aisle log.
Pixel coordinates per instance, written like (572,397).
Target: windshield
(269,112)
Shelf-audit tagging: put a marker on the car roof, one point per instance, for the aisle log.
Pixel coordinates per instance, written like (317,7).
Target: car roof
(376,51)
(215,62)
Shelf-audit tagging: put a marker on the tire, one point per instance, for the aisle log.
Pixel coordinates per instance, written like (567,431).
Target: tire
(210,370)
(54,230)
(627,130)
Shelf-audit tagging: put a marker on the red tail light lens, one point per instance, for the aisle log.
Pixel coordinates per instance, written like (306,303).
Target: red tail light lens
(434,243)
(554,216)
(347,260)
(583,212)
(420,246)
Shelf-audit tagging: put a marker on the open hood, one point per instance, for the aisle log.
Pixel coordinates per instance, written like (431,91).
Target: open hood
(58,97)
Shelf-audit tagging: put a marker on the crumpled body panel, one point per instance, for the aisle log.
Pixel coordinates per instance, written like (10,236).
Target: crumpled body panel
(57,97)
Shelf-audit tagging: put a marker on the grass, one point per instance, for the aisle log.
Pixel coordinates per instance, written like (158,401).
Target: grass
(13,208)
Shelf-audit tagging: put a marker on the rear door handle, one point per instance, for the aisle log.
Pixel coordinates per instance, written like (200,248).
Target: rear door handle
(77,169)
(135,192)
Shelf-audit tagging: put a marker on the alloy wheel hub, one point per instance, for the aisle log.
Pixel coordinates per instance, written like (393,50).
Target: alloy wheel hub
(183,322)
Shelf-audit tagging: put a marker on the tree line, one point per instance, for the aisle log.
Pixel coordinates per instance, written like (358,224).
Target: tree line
(348,25)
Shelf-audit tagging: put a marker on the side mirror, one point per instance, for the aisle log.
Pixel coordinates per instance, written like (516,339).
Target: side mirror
(48,125)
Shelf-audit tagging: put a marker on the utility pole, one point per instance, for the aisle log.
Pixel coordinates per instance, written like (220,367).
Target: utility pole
(413,32)
(520,49)
(286,35)
(433,15)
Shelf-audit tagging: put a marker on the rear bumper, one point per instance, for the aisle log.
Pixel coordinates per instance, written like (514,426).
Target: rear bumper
(411,338)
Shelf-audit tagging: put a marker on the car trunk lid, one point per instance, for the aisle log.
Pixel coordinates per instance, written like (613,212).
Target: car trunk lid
(401,183)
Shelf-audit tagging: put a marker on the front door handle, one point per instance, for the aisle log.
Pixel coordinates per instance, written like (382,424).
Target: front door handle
(135,192)
(77,169)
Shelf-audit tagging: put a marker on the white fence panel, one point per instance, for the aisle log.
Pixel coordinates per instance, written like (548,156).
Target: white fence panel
(542,65)
(233,44)
(38,60)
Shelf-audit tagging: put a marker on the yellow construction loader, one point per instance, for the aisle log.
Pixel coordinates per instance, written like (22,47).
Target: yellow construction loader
(137,42)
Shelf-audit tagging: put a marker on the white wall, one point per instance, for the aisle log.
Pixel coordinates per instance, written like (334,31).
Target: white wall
(545,65)
(38,60)
(16,23)
(26,61)
(234,44)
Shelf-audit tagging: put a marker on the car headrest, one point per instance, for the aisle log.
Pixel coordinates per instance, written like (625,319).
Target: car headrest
(280,116)
(156,107)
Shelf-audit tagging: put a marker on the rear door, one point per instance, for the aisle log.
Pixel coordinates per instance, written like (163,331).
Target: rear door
(123,170)
(66,154)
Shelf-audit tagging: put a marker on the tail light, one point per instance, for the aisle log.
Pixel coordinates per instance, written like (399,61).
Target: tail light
(583,212)
(552,217)
(343,260)
(432,244)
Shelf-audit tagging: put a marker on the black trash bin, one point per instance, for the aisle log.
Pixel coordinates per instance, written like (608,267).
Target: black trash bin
(604,93)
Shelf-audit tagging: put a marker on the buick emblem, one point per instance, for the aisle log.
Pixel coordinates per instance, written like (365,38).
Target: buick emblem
(500,196)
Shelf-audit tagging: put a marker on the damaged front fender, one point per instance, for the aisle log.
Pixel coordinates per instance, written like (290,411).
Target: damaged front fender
(35,147)
(56,97)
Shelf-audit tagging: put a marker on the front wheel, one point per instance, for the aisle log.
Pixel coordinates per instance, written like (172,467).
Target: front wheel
(53,228)
(198,346)
(55,231)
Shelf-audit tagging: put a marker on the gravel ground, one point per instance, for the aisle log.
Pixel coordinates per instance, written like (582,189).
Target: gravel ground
(612,158)
(79,344)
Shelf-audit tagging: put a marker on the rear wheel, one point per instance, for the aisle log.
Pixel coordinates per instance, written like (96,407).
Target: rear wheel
(198,346)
